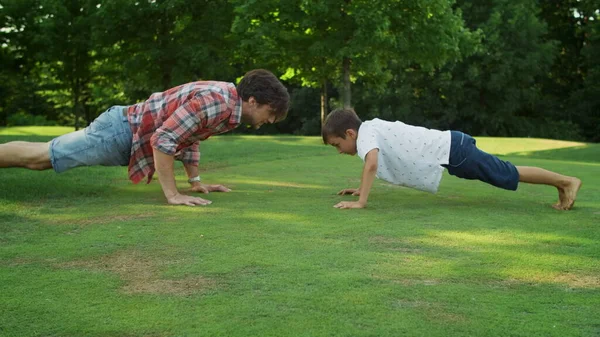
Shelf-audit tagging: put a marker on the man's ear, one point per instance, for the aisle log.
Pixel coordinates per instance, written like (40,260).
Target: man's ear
(251,100)
(351,133)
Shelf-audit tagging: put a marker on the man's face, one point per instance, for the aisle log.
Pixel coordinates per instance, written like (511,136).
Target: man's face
(264,114)
(344,146)
(257,114)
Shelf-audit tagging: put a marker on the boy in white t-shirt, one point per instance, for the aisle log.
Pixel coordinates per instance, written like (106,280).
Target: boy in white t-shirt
(415,157)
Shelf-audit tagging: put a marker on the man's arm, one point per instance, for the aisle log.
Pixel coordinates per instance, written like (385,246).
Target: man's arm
(164,169)
(190,156)
(368,176)
(197,186)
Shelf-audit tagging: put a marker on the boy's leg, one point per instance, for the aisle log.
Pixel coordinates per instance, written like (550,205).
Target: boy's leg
(33,156)
(468,162)
(567,186)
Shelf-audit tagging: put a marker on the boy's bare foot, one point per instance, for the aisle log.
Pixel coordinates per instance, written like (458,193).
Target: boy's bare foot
(567,194)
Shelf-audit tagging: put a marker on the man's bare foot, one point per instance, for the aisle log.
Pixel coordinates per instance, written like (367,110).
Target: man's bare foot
(568,194)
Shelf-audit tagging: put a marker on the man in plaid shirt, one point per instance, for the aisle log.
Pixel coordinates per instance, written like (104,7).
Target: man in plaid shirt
(151,135)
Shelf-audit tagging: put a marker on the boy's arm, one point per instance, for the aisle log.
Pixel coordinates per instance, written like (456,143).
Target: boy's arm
(368,176)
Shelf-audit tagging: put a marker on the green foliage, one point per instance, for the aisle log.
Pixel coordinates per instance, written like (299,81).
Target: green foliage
(313,38)
(23,118)
(495,90)
(160,44)
(585,101)
(518,68)
(571,88)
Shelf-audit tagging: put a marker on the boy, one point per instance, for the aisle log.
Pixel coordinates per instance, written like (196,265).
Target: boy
(150,135)
(416,157)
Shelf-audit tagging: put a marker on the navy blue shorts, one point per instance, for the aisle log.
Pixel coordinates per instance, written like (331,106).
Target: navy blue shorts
(468,162)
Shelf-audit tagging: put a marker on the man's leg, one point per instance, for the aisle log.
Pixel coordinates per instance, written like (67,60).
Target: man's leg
(33,156)
(567,186)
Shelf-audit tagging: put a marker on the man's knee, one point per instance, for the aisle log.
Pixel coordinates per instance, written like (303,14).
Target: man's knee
(39,166)
(36,156)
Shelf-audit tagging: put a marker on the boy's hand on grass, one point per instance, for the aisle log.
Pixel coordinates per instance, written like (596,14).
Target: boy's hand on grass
(353,191)
(181,199)
(349,204)
(202,188)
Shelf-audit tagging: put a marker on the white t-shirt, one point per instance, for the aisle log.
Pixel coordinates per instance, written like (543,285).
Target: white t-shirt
(408,155)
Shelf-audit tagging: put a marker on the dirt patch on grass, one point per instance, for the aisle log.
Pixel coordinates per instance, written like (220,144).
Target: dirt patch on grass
(394,244)
(568,279)
(433,311)
(408,282)
(578,281)
(385,240)
(101,220)
(413,282)
(141,274)
(17,261)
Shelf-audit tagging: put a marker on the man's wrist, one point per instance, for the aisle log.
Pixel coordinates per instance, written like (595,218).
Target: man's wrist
(195,179)
(170,194)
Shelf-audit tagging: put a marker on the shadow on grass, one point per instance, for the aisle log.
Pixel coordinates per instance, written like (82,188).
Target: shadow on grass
(26,138)
(589,153)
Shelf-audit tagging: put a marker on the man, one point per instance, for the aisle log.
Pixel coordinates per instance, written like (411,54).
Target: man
(169,125)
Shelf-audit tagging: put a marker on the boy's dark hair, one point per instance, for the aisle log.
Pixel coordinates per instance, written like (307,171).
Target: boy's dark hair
(266,89)
(338,121)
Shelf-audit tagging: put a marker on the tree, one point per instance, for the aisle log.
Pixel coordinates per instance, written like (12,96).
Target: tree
(584,102)
(494,91)
(572,85)
(159,44)
(343,40)
(68,49)
(20,88)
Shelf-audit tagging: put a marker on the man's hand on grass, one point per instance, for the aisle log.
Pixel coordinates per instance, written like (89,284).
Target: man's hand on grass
(353,191)
(182,199)
(202,188)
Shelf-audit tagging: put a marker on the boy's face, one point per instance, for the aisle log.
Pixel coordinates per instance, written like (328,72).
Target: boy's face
(344,145)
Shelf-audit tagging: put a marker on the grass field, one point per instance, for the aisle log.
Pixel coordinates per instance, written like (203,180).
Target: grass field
(87,253)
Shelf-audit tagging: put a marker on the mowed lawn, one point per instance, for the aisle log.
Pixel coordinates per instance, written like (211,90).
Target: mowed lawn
(87,253)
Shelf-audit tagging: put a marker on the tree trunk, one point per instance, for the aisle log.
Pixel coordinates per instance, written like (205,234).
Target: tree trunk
(165,59)
(76,109)
(324,100)
(87,113)
(346,94)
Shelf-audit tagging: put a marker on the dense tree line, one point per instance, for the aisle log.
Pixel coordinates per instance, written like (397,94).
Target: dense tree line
(493,67)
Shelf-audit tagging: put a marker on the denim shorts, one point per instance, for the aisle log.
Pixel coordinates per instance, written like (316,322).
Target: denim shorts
(107,142)
(468,162)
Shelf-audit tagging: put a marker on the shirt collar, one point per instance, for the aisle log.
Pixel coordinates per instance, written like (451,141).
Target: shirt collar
(236,115)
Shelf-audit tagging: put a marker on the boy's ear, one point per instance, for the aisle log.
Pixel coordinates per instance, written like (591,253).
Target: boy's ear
(351,133)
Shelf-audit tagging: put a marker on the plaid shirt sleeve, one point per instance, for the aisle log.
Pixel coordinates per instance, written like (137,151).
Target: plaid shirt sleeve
(190,154)
(199,112)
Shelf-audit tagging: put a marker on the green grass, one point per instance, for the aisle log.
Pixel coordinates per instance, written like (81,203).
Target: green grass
(86,253)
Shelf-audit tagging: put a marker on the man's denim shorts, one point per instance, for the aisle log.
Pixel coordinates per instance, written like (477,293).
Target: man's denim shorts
(468,162)
(107,142)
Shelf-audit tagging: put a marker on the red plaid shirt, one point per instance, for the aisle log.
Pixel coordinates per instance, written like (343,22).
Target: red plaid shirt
(176,120)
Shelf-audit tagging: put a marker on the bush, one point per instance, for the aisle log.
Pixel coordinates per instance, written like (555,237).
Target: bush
(23,118)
